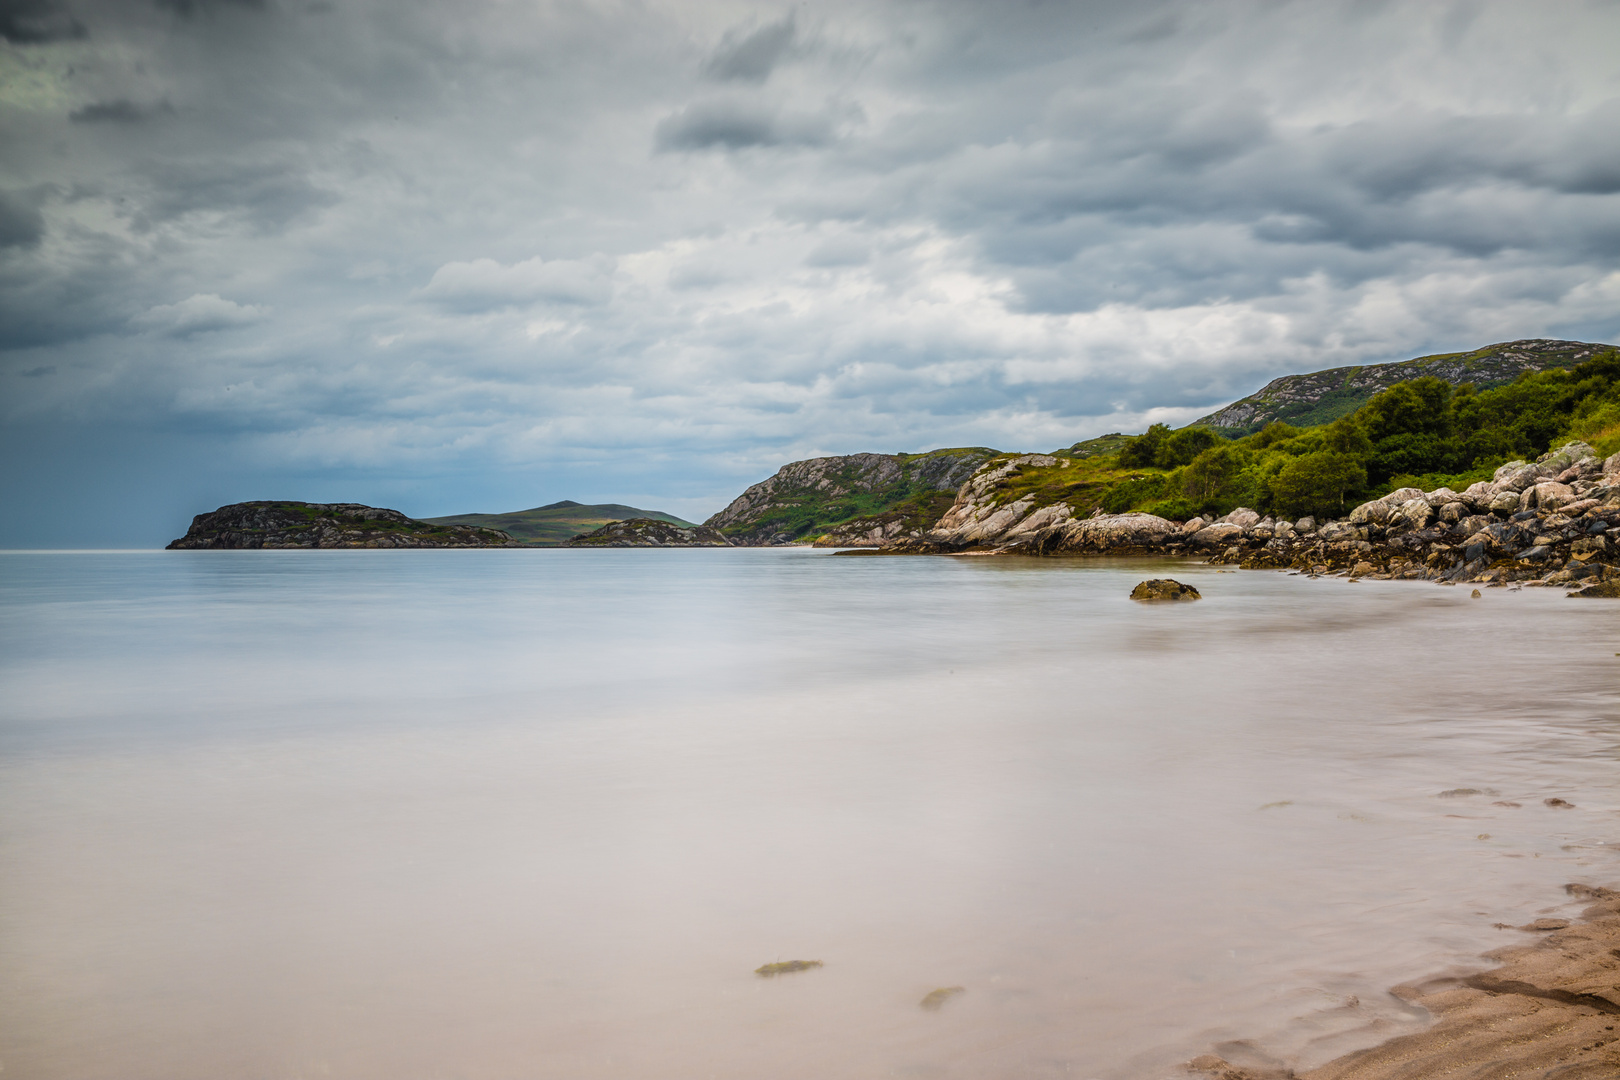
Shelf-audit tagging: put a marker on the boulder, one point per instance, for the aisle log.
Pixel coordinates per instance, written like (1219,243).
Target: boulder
(1336,531)
(1308,524)
(1550,495)
(1453,512)
(1370,513)
(1505,502)
(1611,466)
(1504,471)
(1401,495)
(1243,518)
(1190,527)
(1416,511)
(1606,590)
(1164,589)
(1556,461)
(1439,497)
(1519,479)
(1217,534)
(1118,530)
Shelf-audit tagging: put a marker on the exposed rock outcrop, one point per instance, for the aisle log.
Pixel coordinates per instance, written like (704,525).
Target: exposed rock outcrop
(274,524)
(649,532)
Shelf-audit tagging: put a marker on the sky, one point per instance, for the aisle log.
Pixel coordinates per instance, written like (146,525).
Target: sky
(484,255)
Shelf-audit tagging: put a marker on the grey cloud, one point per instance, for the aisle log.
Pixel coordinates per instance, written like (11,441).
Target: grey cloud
(201,313)
(751,57)
(21,224)
(737,124)
(266,193)
(486,285)
(120,111)
(188,8)
(38,22)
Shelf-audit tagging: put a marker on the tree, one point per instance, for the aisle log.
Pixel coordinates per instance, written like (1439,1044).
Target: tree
(1180,447)
(1144,449)
(1318,483)
(1345,436)
(1209,473)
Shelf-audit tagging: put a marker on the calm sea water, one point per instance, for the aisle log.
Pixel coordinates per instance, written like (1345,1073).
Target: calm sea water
(518,814)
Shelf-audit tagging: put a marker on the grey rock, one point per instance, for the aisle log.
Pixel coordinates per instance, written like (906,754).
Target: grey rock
(1505,502)
(1217,534)
(1118,530)
(1550,495)
(1370,513)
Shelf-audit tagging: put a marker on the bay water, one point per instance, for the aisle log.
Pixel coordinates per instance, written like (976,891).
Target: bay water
(496,815)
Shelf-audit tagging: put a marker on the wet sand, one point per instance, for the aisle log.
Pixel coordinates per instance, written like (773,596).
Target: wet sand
(1549,1012)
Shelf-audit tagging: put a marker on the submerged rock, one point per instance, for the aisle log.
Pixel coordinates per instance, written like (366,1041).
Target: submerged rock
(1604,590)
(1164,589)
(785,967)
(936,999)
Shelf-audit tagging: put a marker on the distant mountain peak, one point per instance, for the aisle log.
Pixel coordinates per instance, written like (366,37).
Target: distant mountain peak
(565,504)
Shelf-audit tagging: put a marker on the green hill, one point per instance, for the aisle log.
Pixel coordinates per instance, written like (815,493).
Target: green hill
(556,522)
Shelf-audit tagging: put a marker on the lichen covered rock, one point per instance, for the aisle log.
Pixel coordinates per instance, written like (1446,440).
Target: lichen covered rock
(1164,589)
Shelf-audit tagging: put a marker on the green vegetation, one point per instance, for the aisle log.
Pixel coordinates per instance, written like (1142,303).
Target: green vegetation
(556,522)
(1424,432)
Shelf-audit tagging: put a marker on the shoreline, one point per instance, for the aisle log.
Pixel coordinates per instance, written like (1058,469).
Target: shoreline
(1550,1011)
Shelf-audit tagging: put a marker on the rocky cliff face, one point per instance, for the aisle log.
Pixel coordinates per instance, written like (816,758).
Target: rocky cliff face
(1322,396)
(649,532)
(876,496)
(326,525)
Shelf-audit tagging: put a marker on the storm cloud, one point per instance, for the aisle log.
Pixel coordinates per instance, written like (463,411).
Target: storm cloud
(489,255)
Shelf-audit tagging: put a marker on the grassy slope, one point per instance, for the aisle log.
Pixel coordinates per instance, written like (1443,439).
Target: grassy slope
(556,522)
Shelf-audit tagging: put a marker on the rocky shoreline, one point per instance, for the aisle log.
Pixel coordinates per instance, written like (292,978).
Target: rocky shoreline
(1547,522)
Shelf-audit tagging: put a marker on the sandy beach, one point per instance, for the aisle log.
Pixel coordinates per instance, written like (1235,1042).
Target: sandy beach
(1549,1012)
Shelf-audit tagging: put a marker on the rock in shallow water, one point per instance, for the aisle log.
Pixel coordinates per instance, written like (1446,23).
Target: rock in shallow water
(1164,589)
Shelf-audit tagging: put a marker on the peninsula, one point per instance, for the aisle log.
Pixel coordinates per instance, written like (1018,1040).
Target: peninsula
(268,525)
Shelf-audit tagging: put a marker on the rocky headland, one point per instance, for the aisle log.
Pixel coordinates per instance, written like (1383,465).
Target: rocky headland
(254,525)
(650,532)
(880,497)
